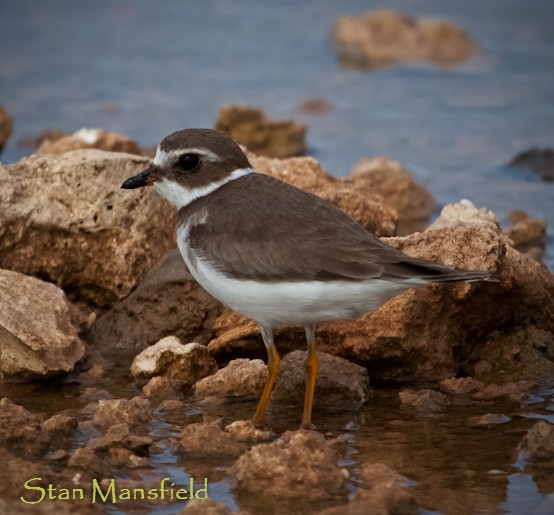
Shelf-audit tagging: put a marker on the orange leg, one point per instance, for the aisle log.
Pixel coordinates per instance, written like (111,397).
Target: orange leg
(311,374)
(273,364)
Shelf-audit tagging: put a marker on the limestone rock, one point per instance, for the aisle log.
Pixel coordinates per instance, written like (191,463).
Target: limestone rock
(185,364)
(527,234)
(250,127)
(60,423)
(487,420)
(20,431)
(38,336)
(246,431)
(460,385)
(385,177)
(168,301)
(539,160)
(299,465)
(110,412)
(241,378)
(209,440)
(384,38)
(383,491)
(340,384)
(6,126)
(89,138)
(119,436)
(78,229)
(86,460)
(424,400)
(539,442)
(353,195)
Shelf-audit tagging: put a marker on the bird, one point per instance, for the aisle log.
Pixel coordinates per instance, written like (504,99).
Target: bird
(275,253)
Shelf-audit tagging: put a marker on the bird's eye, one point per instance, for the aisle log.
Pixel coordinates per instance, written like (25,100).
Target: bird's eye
(188,161)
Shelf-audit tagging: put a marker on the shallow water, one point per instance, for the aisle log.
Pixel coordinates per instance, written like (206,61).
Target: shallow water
(145,70)
(451,468)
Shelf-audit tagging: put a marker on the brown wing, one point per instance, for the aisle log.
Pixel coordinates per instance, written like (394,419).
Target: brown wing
(260,227)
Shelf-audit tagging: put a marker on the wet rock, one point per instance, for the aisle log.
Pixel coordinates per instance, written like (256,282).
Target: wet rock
(340,384)
(185,364)
(168,301)
(385,38)
(246,431)
(120,457)
(15,471)
(460,385)
(538,160)
(425,400)
(86,460)
(205,507)
(97,242)
(209,440)
(242,378)
(385,177)
(517,391)
(6,126)
(441,330)
(120,436)
(383,491)
(21,431)
(38,336)
(527,234)
(299,465)
(353,195)
(86,138)
(110,412)
(538,443)
(489,419)
(162,387)
(60,423)
(250,127)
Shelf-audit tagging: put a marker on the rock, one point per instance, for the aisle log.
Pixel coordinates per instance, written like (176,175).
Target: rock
(208,441)
(120,436)
(538,443)
(250,127)
(185,364)
(383,491)
(512,391)
(527,234)
(120,457)
(86,460)
(299,465)
(489,419)
(352,194)
(168,301)
(539,160)
(246,431)
(6,126)
(460,385)
(33,142)
(20,431)
(60,423)
(110,412)
(96,241)
(340,384)
(384,38)
(86,138)
(205,507)
(162,387)
(385,177)
(241,378)
(425,400)
(38,336)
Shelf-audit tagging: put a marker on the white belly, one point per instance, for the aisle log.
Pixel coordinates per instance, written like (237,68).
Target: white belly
(293,302)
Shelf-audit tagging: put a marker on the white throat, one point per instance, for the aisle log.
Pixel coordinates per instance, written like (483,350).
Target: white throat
(180,196)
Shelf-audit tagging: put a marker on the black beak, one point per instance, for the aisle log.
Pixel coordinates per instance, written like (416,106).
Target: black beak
(145,178)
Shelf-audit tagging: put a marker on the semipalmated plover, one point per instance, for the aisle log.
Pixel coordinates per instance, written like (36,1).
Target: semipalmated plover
(272,252)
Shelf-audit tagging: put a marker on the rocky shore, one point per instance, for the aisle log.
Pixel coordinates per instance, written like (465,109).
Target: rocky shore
(111,356)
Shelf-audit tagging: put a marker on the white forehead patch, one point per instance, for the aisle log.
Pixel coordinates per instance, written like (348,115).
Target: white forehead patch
(165,158)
